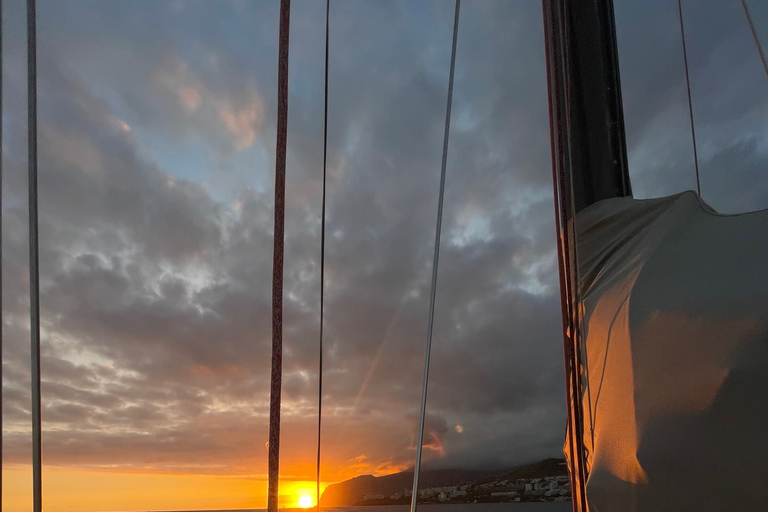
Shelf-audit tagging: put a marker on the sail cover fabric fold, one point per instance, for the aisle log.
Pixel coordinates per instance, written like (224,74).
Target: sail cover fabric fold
(674,325)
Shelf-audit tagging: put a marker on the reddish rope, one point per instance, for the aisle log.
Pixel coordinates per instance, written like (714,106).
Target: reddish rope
(557,78)
(277,262)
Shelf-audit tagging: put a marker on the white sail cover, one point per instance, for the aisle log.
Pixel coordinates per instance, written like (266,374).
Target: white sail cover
(674,315)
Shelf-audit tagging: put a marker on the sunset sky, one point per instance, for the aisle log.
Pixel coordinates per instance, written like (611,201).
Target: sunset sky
(156,147)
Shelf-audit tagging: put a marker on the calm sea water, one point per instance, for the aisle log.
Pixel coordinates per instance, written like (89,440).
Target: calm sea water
(554,506)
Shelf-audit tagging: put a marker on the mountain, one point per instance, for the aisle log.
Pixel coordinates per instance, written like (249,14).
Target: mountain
(546,467)
(352,492)
(349,492)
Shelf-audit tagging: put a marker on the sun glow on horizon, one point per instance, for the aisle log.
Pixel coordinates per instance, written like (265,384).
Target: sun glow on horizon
(300,494)
(89,490)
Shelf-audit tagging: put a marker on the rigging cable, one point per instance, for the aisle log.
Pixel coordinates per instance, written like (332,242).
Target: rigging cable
(1,247)
(277,258)
(34,269)
(322,259)
(420,435)
(754,36)
(690,101)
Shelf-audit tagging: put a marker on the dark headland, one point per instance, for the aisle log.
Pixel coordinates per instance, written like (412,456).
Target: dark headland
(544,480)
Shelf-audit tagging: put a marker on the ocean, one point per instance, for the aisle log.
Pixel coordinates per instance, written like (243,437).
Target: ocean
(551,506)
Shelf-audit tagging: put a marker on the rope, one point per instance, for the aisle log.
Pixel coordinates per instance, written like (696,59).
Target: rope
(433,290)
(34,270)
(690,101)
(559,81)
(754,36)
(554,71)
(322,259)
(277,261)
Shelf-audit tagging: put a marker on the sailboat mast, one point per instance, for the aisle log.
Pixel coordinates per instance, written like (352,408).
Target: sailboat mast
(586,112)
(589,163)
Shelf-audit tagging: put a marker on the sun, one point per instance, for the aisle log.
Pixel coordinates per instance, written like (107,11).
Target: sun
(306,501)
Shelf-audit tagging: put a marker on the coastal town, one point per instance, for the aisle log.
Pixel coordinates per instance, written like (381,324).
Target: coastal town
(547,488)
(546,480)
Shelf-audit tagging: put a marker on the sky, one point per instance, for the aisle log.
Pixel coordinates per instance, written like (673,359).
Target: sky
(156,164)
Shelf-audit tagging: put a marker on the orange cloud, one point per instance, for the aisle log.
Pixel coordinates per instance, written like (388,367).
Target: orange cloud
(243,123)
(434,443)
(190,98)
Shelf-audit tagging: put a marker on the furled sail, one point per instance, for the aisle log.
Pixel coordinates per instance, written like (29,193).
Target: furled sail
(674,327)
(665,307)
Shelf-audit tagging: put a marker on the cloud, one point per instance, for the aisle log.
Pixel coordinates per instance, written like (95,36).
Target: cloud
(435,427)
(244,123)
(205,108)
(728,96)
(156,161)
(190,98)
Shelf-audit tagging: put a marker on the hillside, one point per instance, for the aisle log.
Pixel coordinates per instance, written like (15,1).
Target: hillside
(353,492)
(350,492)
(546,467)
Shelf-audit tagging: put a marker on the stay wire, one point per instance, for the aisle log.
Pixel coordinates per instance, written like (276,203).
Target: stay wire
(754,36)
(436,257)
(1,247)
(690,101)
(34,269)
(322,257)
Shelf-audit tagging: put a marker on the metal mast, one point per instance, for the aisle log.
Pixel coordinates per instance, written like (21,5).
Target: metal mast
(589,163)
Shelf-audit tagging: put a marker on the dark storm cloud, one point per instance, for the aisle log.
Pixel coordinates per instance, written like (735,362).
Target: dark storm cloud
(729,93)
(156,278)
